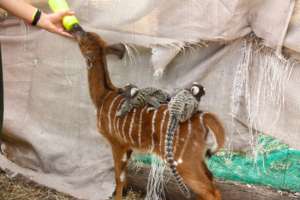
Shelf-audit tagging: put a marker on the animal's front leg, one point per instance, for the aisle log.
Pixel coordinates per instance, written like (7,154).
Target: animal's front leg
(125,184)
(120,161)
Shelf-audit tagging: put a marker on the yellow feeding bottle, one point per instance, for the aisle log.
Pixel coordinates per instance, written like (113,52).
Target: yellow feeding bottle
(62,5)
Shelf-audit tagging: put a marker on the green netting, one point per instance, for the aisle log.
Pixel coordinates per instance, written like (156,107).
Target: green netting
(275,165)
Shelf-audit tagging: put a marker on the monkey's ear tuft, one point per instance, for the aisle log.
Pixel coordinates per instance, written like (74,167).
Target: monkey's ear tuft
(133,92)
(195,90)
(203,90)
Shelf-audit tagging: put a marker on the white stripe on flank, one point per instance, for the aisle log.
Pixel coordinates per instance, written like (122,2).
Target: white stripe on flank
(131,125)
(176,139)
(115,119)
(153,131)
(101,108)
(187,139)
(161,131)
(118,127)
(99,124)
(109,113)
(123,128)
(140,126)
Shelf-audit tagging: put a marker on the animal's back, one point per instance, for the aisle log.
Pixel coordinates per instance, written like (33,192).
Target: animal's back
(146,130)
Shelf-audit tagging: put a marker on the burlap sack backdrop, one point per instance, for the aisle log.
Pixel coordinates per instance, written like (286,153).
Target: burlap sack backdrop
(50,124)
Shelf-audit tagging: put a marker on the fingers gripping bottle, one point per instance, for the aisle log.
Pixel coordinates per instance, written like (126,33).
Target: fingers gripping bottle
(62,5)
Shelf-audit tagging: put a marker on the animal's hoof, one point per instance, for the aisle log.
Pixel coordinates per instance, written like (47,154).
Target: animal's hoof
(124,193)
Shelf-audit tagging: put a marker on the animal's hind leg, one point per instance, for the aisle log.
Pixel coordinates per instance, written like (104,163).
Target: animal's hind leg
(120,161)
(199,180)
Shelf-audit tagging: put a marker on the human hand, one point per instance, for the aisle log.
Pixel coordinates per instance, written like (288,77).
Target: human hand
(53,22)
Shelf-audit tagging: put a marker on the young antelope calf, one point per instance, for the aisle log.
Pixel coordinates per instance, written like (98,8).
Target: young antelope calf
(146,131)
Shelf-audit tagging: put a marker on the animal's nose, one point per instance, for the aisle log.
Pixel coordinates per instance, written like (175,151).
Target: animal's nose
(78,32)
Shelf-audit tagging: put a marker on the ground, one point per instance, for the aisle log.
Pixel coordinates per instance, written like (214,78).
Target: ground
(20,188)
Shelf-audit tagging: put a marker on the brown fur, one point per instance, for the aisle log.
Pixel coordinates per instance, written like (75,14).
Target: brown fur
(126,133)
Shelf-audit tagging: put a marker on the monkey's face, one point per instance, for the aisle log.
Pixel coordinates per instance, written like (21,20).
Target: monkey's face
(197,90)
(129,90)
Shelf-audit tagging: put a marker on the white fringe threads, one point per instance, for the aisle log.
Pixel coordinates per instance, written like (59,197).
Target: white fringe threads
(260,80)
(156,180)
(133,54)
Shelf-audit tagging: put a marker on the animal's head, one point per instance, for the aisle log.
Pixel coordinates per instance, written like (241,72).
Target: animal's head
(91,44)
(129,90)
(197,90)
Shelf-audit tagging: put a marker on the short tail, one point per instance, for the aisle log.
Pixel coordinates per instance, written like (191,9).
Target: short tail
(169,155)
(215,138)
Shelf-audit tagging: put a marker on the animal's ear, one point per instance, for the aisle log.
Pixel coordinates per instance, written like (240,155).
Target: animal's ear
(116,49)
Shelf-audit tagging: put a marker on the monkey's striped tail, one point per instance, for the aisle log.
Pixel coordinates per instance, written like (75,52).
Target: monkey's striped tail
(169,155)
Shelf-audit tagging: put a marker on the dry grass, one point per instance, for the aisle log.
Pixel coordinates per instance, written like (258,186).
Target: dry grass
(21,188)
(133,196)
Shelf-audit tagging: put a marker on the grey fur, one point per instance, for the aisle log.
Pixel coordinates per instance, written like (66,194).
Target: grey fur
(181,108)
(150,95)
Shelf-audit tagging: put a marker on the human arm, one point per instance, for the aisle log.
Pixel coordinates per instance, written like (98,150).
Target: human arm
(50,22)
